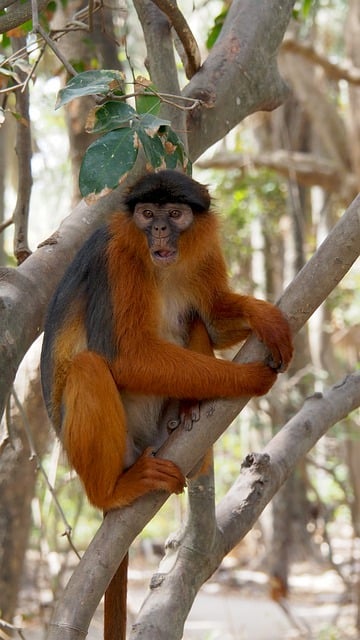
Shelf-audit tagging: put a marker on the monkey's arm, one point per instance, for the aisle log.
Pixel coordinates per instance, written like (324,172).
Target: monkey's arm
(155,366)
(233,316)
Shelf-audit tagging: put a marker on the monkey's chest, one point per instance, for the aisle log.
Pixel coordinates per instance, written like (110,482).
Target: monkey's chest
(173,318)
(144,413)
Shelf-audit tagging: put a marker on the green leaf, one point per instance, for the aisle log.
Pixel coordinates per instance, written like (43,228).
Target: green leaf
(91,83)
(175,152)
(148,128)
(153,149)
(214,32)
(107,161)
(147,102)
(5,40)
(152,124)
(110,116)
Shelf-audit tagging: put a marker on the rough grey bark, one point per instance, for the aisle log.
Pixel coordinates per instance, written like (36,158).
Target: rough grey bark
(18,474)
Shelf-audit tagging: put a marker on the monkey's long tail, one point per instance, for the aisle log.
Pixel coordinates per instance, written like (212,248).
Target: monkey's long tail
(115,604)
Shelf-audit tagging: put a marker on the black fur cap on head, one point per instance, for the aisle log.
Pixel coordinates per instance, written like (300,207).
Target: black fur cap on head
(168,186)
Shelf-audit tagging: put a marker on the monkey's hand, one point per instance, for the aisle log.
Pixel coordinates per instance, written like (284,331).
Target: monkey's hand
(189,412)
(256,378)
(272,328)
(149,474)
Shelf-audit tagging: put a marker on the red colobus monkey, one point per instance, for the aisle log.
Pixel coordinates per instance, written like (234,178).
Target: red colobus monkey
(133,323)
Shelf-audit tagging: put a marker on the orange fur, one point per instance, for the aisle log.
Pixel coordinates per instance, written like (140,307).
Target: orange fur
(100,425)
(126,333)
(149,364)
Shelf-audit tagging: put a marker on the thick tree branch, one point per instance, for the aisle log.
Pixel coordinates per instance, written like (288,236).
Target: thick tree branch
(326,121)
(334,71)
(260,478)
(17,13)
(22,298)
(161,60)
(312,285)
(243,57)
(307,169)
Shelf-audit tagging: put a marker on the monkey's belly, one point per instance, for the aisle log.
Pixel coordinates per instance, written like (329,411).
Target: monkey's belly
(142,421)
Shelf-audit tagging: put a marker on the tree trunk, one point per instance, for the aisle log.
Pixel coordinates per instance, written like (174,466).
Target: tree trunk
(18,473)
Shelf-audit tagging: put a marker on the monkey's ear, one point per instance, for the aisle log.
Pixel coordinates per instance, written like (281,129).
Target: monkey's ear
(168,186)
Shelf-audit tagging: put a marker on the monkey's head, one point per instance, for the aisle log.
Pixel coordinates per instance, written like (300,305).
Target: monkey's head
(163,205)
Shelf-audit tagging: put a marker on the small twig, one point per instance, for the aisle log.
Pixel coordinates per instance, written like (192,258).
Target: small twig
(34,456)
(37,28)
(6,626)
(23,150)
(34,66)
(167,98)
(12,88)
(187,39)
(69,68)
(6,224)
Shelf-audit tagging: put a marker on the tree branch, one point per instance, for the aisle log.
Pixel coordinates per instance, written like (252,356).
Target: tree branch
(308,169)
(311,286)
(17,13)
(328,126)
(20,294)
(244,56)
(161,60)
(345,71)
(260,478)
(183,553)
(191,49)
(23,150)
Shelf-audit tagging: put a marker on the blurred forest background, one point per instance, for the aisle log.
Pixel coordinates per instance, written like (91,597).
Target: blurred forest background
(280,181)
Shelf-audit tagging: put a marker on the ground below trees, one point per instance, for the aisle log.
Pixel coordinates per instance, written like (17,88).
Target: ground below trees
(234,605)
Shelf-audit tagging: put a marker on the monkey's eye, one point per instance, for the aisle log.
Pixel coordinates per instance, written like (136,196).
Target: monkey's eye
(147,213)
(175,213)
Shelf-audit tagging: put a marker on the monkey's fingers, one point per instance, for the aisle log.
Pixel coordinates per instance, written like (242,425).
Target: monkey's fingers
(281,350)
(150,473)
(189,413)
(278,339)
(257,379)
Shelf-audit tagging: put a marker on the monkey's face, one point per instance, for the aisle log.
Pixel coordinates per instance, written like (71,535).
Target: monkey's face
(162,225)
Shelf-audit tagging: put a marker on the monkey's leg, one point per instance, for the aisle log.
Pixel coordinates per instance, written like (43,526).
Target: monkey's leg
(94,436)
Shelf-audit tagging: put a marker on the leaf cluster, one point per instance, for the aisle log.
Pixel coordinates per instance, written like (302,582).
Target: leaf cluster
(124,130)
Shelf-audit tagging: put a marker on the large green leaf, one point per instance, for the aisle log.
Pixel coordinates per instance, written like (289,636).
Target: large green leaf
(113,155)
(107,160)
(111,115)
(91,83)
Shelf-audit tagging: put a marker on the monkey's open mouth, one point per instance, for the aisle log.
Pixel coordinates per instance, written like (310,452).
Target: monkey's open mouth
(164,256)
